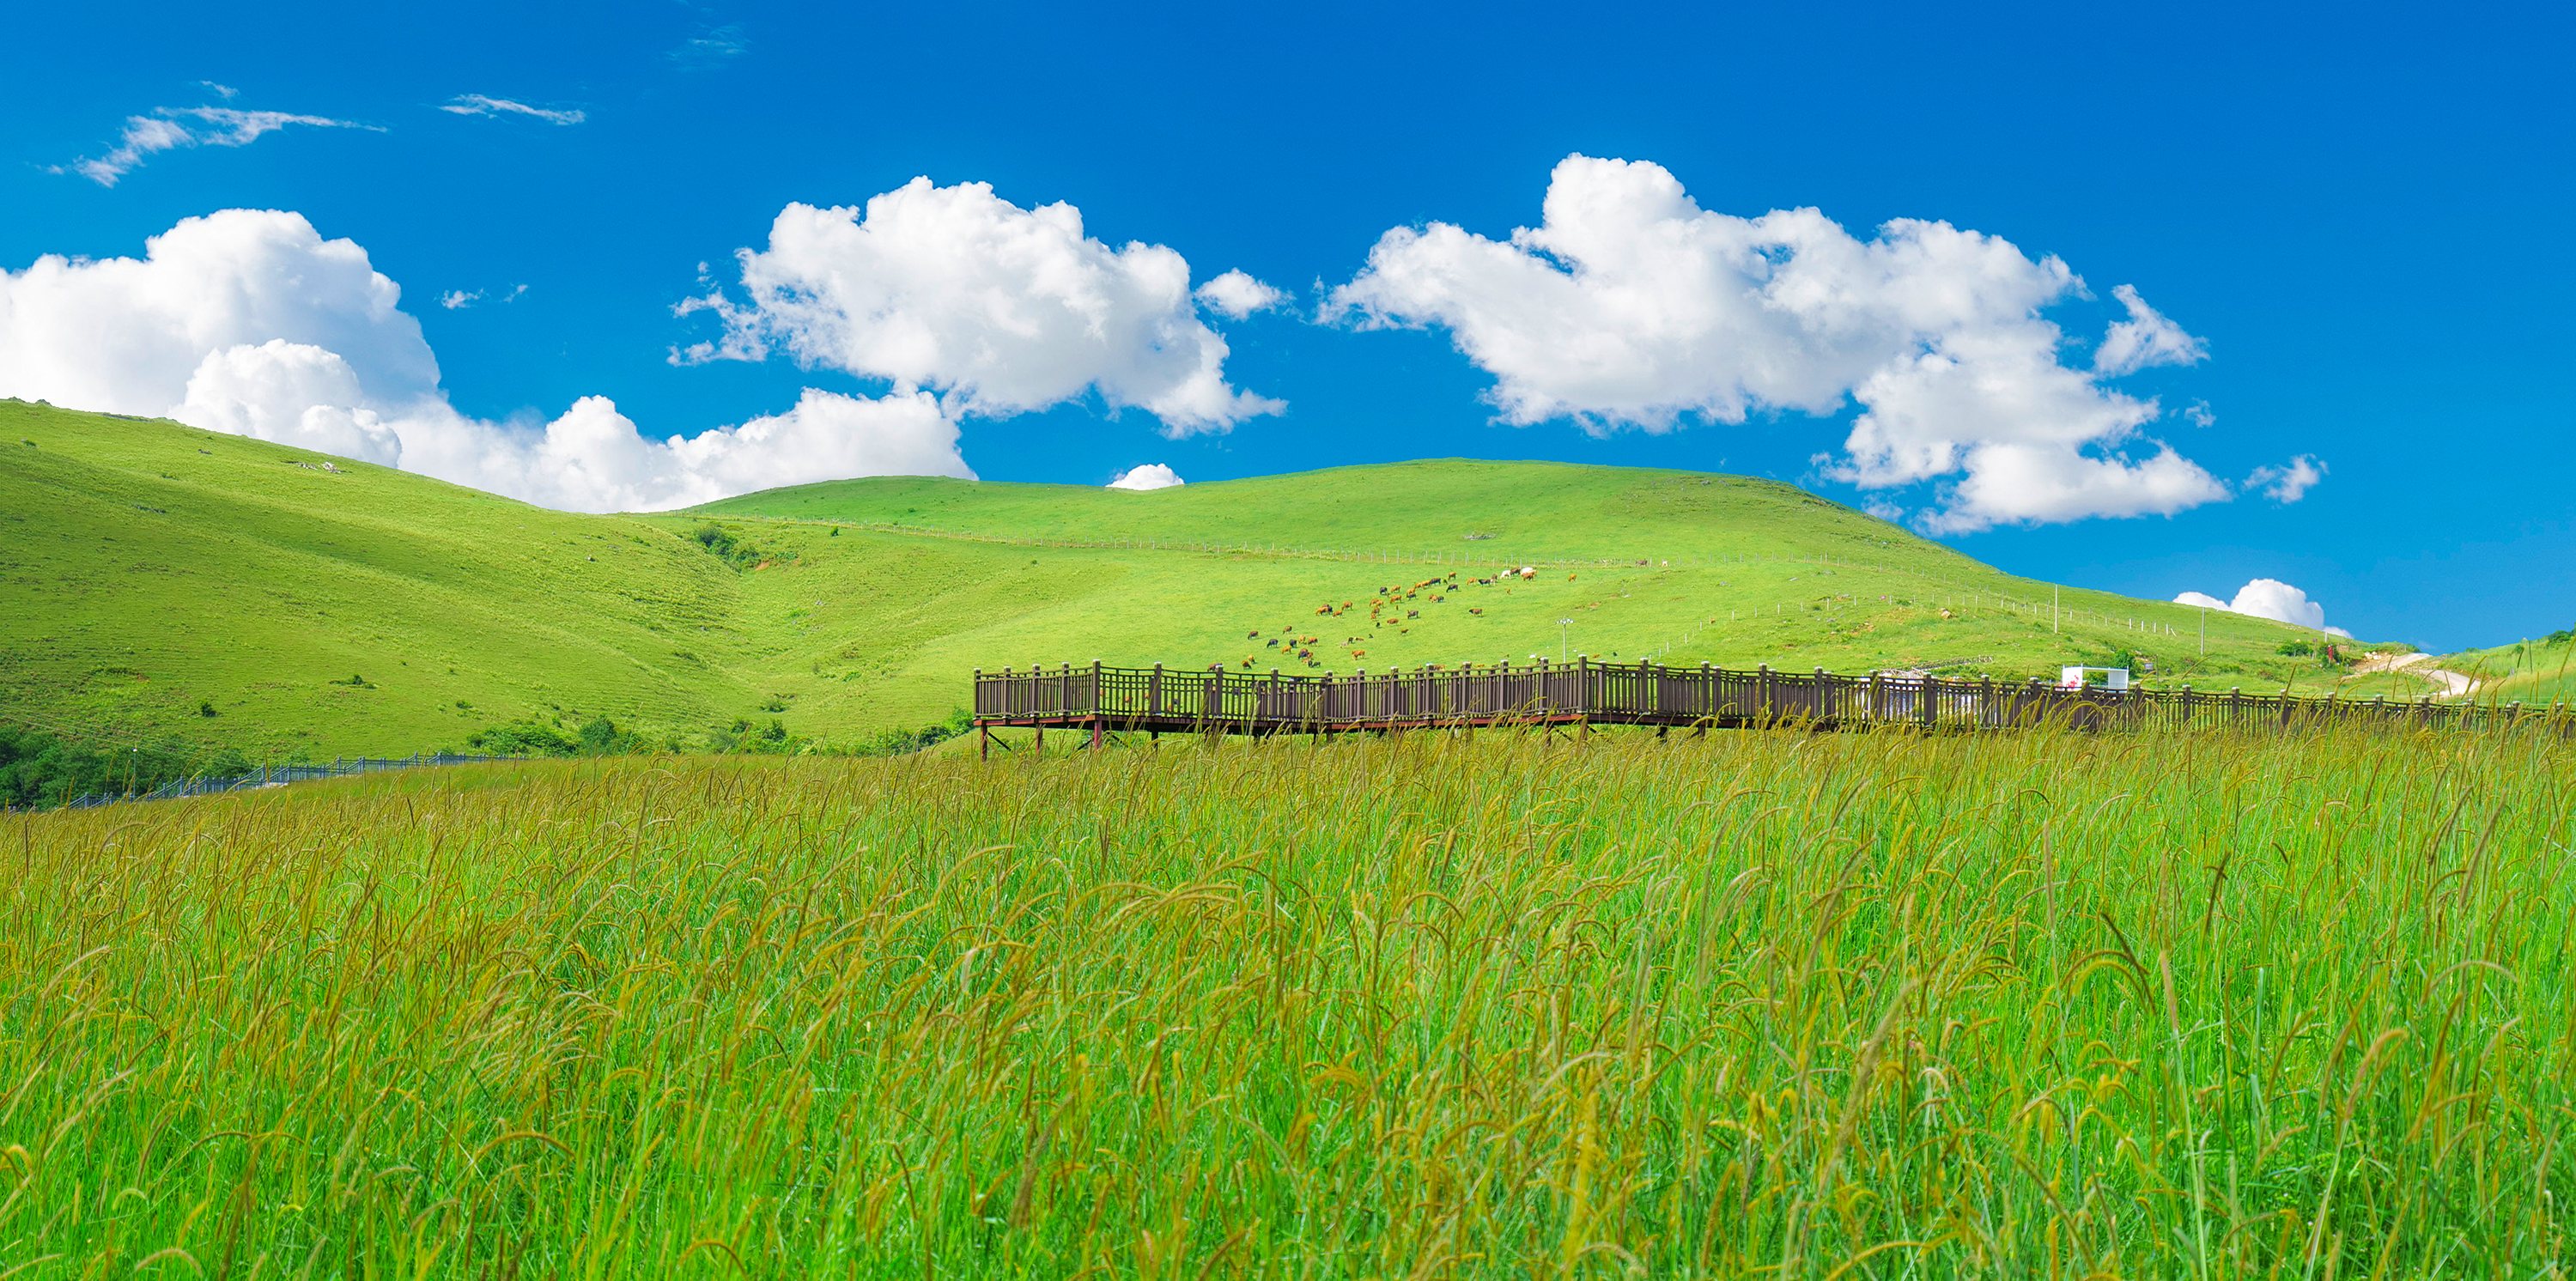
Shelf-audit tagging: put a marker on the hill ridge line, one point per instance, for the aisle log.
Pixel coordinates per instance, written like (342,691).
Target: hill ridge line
(1351,555)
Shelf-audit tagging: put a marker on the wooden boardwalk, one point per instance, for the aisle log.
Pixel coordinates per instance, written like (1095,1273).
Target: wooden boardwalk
(1100,700)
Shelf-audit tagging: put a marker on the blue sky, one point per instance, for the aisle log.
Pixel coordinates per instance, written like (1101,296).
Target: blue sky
(2357,215)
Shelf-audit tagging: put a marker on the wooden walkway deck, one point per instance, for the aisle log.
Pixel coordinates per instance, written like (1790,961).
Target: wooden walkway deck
(1100,700)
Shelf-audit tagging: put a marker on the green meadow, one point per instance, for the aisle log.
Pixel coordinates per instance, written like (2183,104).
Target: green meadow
(1516,1004)
(1870,1005)
(161,581)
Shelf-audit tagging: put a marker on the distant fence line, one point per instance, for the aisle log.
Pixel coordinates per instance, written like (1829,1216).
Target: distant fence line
(277,775)
(1587,692)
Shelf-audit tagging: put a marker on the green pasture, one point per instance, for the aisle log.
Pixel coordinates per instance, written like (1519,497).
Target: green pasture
(2536,672)
(1873,1005)
(152,573)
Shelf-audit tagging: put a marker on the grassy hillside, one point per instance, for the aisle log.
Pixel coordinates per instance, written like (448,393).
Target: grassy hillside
(1450,507)
(2536,672)
(1679,566)
(151,572)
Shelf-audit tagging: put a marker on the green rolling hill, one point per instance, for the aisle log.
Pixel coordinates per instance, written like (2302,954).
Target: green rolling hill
(152,573)
(2537,672)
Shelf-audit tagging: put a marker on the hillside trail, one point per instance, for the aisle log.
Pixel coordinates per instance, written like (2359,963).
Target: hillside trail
(2453,684)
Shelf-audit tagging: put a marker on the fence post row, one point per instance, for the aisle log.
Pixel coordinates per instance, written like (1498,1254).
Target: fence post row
(1642,693)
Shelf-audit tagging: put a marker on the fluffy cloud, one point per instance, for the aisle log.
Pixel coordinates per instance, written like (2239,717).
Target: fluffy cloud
(1149,476)
(2289,482)
(593,459)
(1237,294)
(1631,306)
(999,309)
(475,104)
(2269,598)
(2146,338)
(163,130)
(290,392)
(247,321)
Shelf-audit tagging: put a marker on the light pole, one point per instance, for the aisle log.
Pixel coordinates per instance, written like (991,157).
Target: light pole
(1561,625)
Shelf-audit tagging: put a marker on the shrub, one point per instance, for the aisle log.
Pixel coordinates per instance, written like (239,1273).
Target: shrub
(42,770)
(904,742)
(726,546)
(601,737)
(523,738)
(746,736)
(2297,648)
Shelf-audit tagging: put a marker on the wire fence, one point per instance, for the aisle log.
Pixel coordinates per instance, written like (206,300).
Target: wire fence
(279,776)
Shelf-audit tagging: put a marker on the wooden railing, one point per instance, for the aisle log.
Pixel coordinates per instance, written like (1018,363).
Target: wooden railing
(1586,692)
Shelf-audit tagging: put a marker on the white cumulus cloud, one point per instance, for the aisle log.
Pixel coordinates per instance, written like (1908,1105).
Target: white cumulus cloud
(1001,310)
(248,321)
(2269,598)
(475,104)
(1148,476)
(2289,482)
(1237,294)
(166,129)
(1629,305)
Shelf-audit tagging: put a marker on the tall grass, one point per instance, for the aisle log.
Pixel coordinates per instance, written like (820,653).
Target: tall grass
(1835,1006)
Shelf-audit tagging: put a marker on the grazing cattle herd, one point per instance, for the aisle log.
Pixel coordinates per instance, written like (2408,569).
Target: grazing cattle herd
(1397,606)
